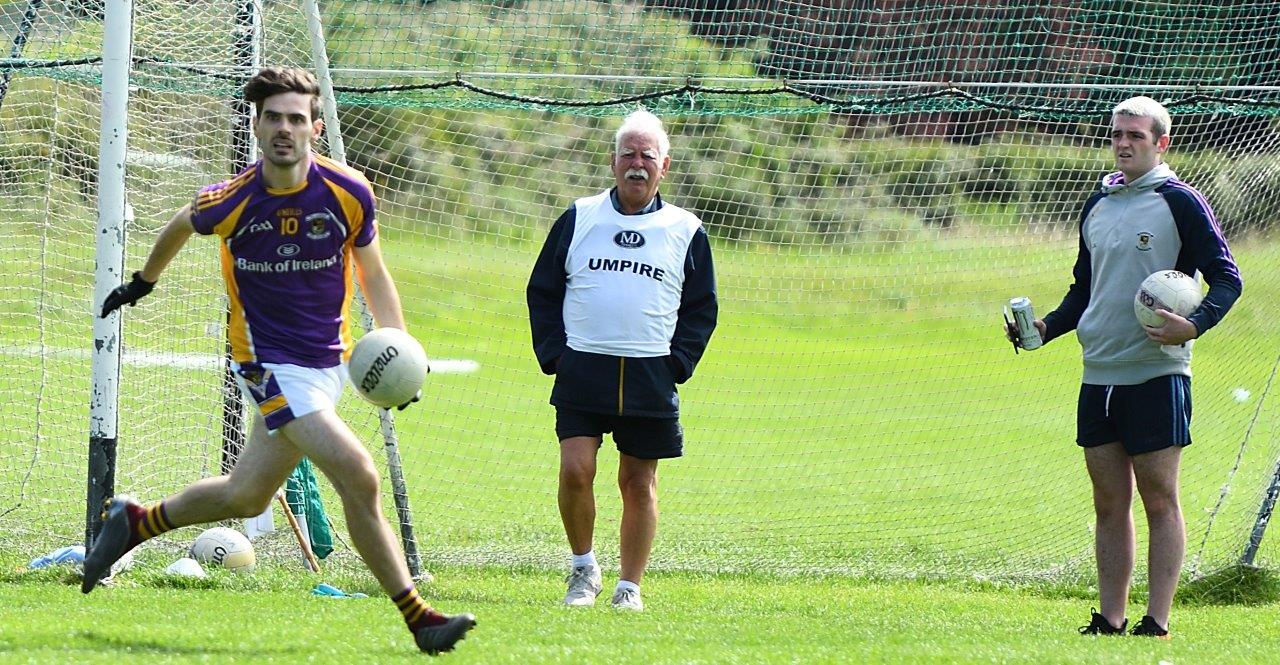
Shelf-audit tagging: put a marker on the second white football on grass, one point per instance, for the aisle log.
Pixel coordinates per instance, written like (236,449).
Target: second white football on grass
(226,547)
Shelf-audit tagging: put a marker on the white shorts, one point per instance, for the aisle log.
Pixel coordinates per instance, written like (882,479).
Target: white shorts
(283,392)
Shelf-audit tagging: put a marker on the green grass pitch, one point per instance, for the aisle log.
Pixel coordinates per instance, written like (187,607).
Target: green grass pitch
(485,439)
(270,616)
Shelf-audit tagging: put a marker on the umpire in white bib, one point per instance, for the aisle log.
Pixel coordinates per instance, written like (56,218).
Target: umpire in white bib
(622,303)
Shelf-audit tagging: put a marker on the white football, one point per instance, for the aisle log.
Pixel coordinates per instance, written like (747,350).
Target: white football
(387,367)
(1170,290)
(221,546)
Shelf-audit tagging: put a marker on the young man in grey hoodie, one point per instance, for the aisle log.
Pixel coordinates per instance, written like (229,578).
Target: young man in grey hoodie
(1134,412)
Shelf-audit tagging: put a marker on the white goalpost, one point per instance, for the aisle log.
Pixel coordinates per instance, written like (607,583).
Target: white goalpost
(386,421)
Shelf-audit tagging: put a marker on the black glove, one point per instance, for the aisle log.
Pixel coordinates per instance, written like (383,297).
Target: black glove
(127,293)
(416,396)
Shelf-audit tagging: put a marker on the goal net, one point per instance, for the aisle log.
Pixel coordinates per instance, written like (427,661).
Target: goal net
(878,179)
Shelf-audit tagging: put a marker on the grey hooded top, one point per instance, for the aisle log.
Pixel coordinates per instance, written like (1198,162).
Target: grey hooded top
(1127,232)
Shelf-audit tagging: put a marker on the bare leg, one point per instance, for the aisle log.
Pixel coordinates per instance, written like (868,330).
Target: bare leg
(638,480)
(577,494)
(264,464)
(1111,473)
(333,447)
(1157,476)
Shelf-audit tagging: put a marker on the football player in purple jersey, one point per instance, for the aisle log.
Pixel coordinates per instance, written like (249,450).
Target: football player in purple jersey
(294,229)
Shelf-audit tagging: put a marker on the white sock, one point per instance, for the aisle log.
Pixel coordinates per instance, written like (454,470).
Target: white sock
(623,584)
(588,559)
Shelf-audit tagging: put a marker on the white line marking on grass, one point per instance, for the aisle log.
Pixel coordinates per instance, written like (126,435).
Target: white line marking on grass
(453,366)
(202,360)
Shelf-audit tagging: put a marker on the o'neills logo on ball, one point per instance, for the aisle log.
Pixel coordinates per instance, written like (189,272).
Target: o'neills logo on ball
(374,375)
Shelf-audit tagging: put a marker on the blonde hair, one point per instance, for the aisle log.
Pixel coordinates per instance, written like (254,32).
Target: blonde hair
(641,121)
(1146,107)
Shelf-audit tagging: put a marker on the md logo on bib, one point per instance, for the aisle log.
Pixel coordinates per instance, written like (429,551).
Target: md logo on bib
(628,239)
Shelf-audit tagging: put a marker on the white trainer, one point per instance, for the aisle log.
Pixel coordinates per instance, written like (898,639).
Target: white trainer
(584,586)
(627,599)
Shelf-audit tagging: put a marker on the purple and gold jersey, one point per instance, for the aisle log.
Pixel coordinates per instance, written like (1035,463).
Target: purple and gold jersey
(287,260)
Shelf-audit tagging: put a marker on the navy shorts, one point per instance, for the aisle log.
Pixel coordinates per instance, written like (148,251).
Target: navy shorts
(645,438)
(1145,417)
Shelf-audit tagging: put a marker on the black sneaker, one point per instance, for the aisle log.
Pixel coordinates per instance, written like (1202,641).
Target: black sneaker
(1100,626)
(442,637)
(114,539)
(1149,628)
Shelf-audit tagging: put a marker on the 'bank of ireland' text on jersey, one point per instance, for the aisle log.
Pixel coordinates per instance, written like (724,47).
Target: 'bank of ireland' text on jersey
(286,259)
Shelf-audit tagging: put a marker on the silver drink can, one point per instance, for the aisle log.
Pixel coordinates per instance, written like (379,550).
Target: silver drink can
(1024,320)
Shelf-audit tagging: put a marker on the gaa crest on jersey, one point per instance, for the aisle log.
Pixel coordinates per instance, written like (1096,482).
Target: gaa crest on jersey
(628,239)
(1144,241)
(318,225)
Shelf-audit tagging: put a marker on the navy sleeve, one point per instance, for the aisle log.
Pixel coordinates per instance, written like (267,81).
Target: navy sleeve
(1065,318)
(545,293)
(1204,249)
(699,308)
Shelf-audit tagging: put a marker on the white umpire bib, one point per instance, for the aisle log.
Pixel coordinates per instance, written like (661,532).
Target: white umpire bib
(625,277)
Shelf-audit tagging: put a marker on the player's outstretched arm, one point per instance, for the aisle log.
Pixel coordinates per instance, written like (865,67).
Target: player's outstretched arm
(379,290)
(380,293)
(170,241)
